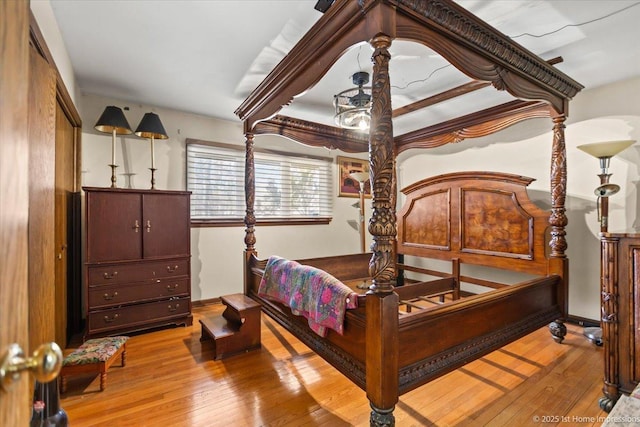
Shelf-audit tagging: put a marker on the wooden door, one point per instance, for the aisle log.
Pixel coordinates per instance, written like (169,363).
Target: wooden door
(14,196)
(114,226)
(166,225)
(42,110)
(65,167)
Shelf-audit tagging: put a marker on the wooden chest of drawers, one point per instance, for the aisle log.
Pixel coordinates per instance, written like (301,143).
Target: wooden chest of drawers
(138,269)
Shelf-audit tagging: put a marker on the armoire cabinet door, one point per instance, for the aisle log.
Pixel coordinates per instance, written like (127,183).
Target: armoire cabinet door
(166,228)
(115,226)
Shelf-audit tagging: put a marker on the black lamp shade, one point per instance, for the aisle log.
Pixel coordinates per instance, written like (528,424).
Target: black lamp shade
(151,127)
(113,118)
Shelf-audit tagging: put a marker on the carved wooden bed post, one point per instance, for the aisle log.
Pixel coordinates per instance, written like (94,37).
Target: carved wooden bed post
(382,303)
(558,220)
(249,195)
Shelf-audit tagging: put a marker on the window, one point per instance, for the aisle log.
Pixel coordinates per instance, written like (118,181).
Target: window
(289,188)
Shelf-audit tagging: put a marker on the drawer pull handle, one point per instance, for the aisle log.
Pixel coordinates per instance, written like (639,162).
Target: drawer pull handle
(172,269)
(136,226)
(108,297)
(172,288)
(148,226)
(108,319)
(109,276)
(172,309)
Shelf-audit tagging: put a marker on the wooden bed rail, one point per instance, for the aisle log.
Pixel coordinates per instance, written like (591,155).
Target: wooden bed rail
(460,331)
(520,309)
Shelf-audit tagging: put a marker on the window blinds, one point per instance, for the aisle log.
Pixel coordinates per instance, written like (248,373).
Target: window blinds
(287,186)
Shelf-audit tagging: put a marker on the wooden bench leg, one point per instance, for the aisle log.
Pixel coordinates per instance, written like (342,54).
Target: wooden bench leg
(63,384)
(124,354)
(103,380)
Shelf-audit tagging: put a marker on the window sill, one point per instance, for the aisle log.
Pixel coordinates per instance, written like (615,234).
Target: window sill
(259,223)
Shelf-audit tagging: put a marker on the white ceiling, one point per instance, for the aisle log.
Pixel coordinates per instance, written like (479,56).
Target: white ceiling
(206,56)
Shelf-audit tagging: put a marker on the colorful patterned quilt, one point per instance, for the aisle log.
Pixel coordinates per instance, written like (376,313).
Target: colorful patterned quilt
(309,292)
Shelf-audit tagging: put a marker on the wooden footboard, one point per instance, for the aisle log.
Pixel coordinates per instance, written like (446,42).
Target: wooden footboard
(439,340)
(432,341)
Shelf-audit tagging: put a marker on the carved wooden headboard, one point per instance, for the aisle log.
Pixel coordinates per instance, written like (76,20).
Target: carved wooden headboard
(483,218)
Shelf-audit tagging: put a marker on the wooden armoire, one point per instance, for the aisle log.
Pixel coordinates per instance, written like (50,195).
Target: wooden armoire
(138,258)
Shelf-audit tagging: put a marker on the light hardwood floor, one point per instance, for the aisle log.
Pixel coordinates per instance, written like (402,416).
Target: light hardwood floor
(171,380)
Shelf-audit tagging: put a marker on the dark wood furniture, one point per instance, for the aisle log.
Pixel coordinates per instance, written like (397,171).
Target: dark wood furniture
(620,298)
(237,330)
(384,354)
(138,260)
(94,356)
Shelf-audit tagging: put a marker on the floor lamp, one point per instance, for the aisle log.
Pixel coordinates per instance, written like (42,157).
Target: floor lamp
(361,177)
(603,151)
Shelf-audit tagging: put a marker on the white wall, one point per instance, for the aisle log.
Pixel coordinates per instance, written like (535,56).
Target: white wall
(49,27)
(216,251)
(602,114)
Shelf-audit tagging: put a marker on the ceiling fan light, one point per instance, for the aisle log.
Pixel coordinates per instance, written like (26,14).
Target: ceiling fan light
(353,106)
(364,123)
(355,119)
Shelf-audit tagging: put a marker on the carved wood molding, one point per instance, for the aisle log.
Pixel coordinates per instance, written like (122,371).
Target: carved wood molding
(474,125)
(464,29)
(314,134)
(468,42)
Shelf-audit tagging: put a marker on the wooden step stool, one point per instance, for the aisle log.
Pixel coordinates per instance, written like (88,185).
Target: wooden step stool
(237,330)
(94,356)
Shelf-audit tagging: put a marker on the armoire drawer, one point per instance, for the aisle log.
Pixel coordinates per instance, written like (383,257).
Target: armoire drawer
(111,295)
(137,315)
(136,272)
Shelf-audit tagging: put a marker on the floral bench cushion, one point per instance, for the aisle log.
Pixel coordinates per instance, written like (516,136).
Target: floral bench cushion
(95,351)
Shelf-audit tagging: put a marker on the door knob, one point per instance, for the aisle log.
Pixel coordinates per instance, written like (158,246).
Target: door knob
(44,364)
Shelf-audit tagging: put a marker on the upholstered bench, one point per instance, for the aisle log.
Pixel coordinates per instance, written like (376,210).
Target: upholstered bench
(94,356)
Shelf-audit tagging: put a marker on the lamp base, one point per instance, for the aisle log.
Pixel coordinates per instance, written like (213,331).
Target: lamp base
(153,178)
(113,176)
(594,335)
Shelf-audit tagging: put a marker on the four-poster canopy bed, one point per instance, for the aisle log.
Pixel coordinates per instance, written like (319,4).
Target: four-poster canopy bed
(400,337)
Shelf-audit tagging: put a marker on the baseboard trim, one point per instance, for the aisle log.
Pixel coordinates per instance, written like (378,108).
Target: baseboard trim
(205,302)
(582,321)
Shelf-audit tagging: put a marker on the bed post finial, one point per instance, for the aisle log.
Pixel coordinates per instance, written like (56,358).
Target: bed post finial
(249,194)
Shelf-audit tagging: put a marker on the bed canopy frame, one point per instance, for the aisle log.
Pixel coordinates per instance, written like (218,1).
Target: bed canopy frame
(484,54)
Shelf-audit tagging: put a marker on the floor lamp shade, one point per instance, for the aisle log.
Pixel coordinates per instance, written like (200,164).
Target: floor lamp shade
(605,149)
